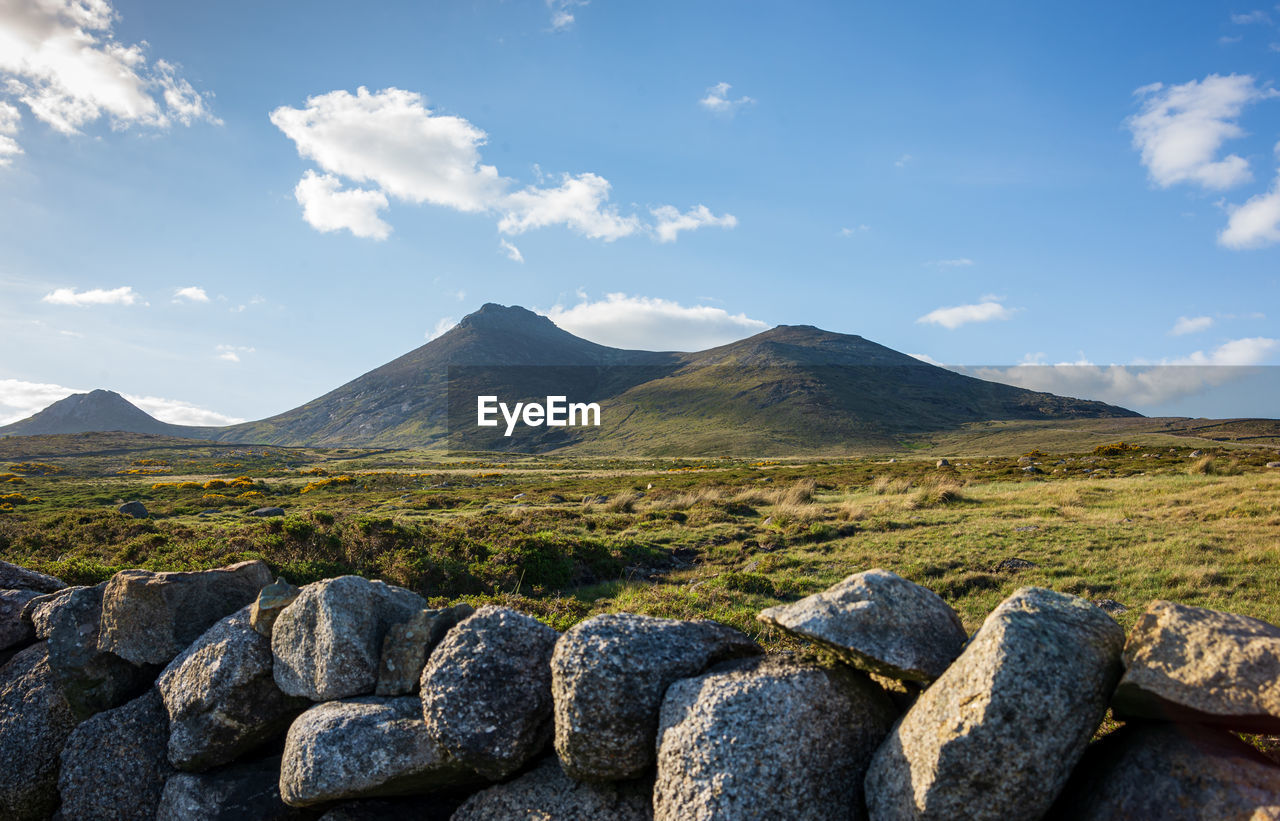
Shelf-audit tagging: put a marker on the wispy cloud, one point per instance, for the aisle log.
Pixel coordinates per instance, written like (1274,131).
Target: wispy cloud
(562,17)
(958,262)
(124,295)
(191,293)
(231,353)
(719,101)
(1256,223)
(902,161)
(646,323)
(953,317)
(670,222)
(512,252)
(442,327)
(1257,16)
(854,230)
(1191,324)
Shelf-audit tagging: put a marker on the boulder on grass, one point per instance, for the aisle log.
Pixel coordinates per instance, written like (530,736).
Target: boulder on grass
(997,735)
(114,765)
(327,643)
(245,791)
(879,622)
(486,690)
(148,617)
(1202,666)
(407,645)
(546,792)
(608,677)
(222,698)
(768,738)
(35,721)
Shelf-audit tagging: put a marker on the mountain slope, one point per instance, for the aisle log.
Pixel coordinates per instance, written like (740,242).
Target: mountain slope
(97,410)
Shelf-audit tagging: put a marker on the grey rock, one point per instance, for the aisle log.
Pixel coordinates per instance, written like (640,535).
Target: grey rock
(328,642)
(767,738)
(135,509)
(1110,606)
(407,645)
(608,677)
(114,765)
(15,577)
(943,463)
(1171,772)
(1013,565)
(546,792)
(1273,464)
(148,618)
(91,680)
(222,698)
(35,721)
(14,632)
(247,791)
(267,511)
(1203,666)
(996,736)
(435,807)
(364,747)
(37,611)
(486,690)
(271,601)
(879,622)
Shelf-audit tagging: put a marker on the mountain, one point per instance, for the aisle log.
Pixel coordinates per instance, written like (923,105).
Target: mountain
(94,411)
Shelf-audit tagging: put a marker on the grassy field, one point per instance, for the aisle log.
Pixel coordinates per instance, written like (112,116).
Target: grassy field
(565,539)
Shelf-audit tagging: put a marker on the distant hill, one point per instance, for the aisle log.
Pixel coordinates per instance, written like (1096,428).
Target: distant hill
(97,410)
(794,389)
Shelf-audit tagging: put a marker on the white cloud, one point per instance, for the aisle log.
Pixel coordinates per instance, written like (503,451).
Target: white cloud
(191,293)
(1252,17)
(671,222)
(1254,224)
(10,117)
(326,207)
(1191,325)
(60,58)
(957,315)
(929,360)
(1224,40)
(1140,385)
(849,232)
(20,399)
(561,15)
(231,353)
(441,328)
(718,100)
(1181,128)
(512,252)
(958,262)
(124,295)
(391,141)
(902,161)
(652,324)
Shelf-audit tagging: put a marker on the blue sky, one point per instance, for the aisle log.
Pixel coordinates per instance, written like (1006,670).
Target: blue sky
(225,210)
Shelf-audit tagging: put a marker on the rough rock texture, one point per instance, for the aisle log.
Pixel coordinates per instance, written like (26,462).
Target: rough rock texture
(767,738)
(14,632)
(413,808)
(364,747)
(997,735)
(407,645)
(134,509)
(545,793)
(1203,666)
(880,622)
(486,690)
(37,611)
(267,511)
(222,698)
(15,577)
(35,721)
(148,618)
(91,680)
(608,677)
(1171,772)
(271,600)
(114,764)
(248,791)
(328,642)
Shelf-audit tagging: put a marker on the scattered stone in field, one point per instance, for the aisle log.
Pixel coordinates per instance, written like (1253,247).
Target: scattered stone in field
(271,600)
(221,696)
(91,679)
(1196,453)
(364,747)
(1110,606)
(767,738)
(1192,664)
(148,618)
(518,496)
(555,498)
(879,622)
(267,511)
(14,577)
(1273,464)
(35,721)
(114,764)
(997,735)
(1025,460)
(134,509)
(1013,565)
(1026,529)
(14,632)
(247,791)
(609,675)
(407,645)
(547,792)
(1031,469)
(1172,772)
(943,463)
(486,690)
(213,511)
(328,642)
